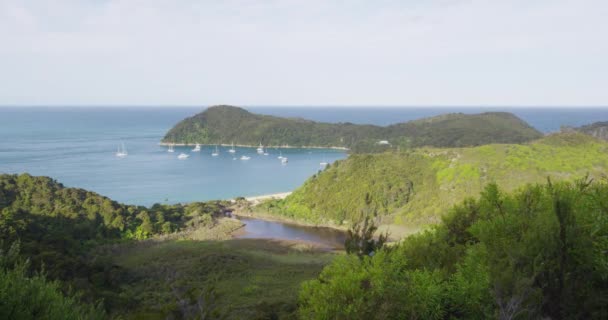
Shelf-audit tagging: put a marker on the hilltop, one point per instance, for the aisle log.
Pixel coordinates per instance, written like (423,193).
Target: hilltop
(228,124)
(415,188)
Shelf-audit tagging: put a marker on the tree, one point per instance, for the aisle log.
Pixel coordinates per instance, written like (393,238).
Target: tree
(360,237)
(34,297)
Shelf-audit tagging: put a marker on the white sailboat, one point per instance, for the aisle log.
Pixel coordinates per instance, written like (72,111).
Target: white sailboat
(232,150)
(324,163)
(216,152)
(121,152)
(284,160)
(260,149)
(245,158)
(197,148)
(280,157)
(171,150)
(183,156)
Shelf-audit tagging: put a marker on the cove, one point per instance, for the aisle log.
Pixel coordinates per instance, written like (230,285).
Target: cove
(265,229)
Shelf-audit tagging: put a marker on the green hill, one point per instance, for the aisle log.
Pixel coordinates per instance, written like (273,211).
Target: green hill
(415,188)
(58,225)
(227,124)
(596,129)
(537,253)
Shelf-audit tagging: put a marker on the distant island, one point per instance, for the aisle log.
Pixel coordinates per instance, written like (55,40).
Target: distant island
(233,125)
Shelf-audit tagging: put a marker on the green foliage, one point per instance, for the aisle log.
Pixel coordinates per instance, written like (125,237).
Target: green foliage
(35,297)
(57,225)
(360,238)
(226,124)
(537,253)
(417,187)
(381,287)
(59,228)
(339,193)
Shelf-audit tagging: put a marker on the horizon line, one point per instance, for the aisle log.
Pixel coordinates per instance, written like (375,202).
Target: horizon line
(404,106)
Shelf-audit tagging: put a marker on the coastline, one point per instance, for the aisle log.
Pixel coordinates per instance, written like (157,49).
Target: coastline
(396,232)
(251,146)
(258,199)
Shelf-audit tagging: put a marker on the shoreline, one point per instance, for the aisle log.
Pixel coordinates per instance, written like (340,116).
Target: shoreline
(396,232)
(250,146)
(273,196)
(285,220)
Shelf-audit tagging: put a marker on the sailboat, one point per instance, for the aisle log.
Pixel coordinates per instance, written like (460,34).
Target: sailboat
(197,148)
(245,158)
(216,152)
(121,152)
(280,157)
(284,160)
(170,149)
(260,149)
(232,149)
(324,163)
(183,156)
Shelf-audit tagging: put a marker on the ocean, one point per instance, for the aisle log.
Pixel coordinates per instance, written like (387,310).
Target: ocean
(76,146)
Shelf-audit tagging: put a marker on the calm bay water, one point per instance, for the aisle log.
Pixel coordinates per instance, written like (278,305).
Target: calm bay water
(76,146)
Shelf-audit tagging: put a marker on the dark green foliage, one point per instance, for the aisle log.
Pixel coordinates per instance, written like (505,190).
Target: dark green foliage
(381,287)
(60,228)
(57,225)
(360,238)
(226,124)
(537,253)
(35,297)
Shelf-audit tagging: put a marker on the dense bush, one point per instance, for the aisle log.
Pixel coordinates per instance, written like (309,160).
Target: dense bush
(35,297)
(539,252)
(57,225)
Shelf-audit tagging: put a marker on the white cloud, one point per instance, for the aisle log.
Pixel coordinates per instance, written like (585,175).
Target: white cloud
(301,52)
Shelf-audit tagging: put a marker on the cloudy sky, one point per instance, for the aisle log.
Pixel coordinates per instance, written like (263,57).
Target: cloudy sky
(304,52)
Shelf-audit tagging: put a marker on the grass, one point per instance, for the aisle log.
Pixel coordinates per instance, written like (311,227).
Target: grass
(240,278)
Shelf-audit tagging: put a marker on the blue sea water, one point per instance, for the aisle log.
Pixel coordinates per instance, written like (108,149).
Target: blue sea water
(76,146)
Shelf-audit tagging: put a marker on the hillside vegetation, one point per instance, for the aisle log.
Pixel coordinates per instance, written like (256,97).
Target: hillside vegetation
(58,228)
(539,253)
(68,253)
(596,129)
(227,124)
(416,187)
(233,279)
(56,225)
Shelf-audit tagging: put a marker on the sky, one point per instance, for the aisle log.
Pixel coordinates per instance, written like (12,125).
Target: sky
(304,52)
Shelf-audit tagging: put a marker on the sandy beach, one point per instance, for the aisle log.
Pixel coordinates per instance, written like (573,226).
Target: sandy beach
(257,199)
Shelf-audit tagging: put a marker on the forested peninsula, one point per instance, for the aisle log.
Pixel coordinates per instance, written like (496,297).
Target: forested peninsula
(227,125)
